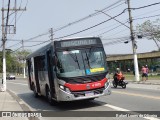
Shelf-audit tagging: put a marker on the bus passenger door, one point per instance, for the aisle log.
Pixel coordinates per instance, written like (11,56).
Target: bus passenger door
(29,73)
(36,59)
(50,73)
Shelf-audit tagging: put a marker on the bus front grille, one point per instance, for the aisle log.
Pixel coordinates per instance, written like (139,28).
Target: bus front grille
(85,93)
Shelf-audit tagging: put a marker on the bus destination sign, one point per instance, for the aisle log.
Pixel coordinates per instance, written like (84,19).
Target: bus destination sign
(78,42)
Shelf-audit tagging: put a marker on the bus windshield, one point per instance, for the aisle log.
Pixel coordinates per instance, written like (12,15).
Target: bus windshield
(81,62)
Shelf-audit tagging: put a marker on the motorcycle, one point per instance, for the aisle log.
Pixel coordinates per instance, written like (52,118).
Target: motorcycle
(119,81)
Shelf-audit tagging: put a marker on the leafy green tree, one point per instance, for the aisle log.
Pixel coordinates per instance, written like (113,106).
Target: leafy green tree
(14,60)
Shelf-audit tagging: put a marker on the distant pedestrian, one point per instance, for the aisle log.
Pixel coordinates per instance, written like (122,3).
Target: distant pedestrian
(144,73)
(147,71)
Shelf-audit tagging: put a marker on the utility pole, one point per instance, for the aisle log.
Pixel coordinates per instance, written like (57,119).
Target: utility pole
(24,61)
(4,54)
(4,39)
(136,69)
(51,32)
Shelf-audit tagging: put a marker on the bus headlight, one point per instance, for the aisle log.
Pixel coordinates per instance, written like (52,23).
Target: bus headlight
(64,88)
(61,87)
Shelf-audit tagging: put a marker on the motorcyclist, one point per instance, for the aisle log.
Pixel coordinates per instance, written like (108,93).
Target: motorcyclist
(118,76)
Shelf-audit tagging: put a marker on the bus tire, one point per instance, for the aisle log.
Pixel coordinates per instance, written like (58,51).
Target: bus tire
(49,96)
(34,91)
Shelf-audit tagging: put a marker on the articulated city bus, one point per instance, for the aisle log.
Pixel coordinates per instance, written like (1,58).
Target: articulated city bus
(68,70)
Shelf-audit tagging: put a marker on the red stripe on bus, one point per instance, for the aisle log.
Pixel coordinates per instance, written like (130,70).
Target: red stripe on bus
(87,86)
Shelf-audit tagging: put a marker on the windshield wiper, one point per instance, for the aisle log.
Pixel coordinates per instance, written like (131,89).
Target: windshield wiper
(75,59)
(90,50)
(87,60)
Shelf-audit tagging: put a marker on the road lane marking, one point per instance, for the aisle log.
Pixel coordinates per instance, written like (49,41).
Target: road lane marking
(126,110)
(115,107)
(139,95)
(18,83)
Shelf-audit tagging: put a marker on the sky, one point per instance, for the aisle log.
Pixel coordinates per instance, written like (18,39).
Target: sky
(41,15)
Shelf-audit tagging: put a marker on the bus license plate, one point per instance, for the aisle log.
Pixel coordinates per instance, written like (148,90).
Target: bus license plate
(89,94)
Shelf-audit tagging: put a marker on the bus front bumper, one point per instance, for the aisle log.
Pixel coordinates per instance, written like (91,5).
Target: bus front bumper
(72,96)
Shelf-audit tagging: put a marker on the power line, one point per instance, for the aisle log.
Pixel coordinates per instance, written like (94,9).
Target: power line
(91,15)
(113,7)
(18,17)
(145,6)
(117,32)
(21,40)
(125,37)
(136,18)
(39,43)
(127,21)
(84,18)
(14,45)
(22,11)
(109,19)
(77,21)
(111,29)
(92,26)
(86,28)
(146,17)
(147,12)
(43,34)
(16,49)
(116,42)
(72,33)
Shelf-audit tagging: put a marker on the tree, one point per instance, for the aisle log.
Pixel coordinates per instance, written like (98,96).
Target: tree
(20,57)
(14,60)
(150,30)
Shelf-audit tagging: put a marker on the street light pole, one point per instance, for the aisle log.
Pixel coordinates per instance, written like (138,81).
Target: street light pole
(133,44)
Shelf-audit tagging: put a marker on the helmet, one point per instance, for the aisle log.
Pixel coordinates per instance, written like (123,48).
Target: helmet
(117,69)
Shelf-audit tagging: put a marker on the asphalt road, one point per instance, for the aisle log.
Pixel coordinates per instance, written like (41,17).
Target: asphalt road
(136,97)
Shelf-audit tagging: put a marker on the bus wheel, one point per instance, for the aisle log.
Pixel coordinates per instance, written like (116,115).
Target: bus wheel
(34,91)
(49,96)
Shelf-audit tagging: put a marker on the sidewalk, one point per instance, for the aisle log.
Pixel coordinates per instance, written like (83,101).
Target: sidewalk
(148,82)
(8,103)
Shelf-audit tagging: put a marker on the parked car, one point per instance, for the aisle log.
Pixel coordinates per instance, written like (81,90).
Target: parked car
(11,77)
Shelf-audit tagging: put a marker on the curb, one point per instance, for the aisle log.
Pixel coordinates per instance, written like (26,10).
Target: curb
(145,83)
(22,104)
(140,82)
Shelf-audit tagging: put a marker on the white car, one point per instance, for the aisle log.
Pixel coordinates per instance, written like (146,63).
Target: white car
(11,77)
